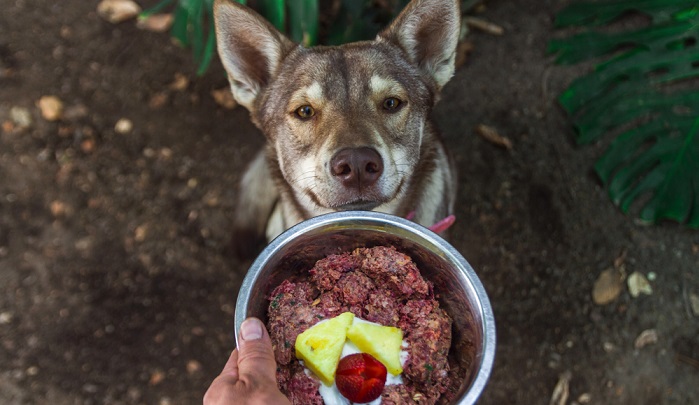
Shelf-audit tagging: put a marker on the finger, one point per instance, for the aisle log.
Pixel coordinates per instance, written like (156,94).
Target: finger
(231,367)
(256,355)
(219,390)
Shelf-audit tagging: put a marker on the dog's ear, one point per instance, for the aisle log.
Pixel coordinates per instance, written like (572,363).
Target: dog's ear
(428,31)
(250,48)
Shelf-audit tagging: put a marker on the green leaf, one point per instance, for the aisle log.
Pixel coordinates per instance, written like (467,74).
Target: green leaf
(357,19)
(599,13)
(180,26)
(677,198)
(592,44)
(303,20)
(155,9)
(191,19)
(642,93)
(195,26)
(209,51)
(275,12)
(353,23)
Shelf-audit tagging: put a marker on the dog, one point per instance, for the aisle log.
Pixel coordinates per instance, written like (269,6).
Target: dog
(348,127)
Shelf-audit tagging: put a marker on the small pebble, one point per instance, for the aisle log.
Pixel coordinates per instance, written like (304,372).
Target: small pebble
(156,22)
(647,337)
(140,233)
(156,377)
(5,318)
(58,208)
(21,117)
(179,83)
(224,98)
(123,126)
(193,367)
(51,108)
(638,284)
(116,11)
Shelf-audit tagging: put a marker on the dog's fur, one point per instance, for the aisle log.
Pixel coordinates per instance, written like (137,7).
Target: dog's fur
(336,139)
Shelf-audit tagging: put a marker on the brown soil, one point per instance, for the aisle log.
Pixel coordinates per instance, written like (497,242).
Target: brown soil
(117,285)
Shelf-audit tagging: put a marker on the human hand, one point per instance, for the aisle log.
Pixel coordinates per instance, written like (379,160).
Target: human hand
(250,375)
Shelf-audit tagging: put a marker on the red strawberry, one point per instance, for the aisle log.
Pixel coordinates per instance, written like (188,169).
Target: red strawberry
(360,377)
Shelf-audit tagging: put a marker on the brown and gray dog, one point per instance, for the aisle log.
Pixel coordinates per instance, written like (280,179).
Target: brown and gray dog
(347,127)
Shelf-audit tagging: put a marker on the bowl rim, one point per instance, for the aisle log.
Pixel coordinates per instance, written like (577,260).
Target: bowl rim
(487,356)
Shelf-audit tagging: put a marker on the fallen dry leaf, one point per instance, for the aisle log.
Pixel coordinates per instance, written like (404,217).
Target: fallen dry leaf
(562,390)
(647,337)
(638,284)
(116,11)
(483,25)
(584,398)
(491,135)
(224,98)
(607,287)
(156,22)
(694,303)
(51,108)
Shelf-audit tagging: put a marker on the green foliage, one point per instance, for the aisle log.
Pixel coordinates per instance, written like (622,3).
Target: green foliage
(642,90)
(300,19)
(192,26)
(303,22)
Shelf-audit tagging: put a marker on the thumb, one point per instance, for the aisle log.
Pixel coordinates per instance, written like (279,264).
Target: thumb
(255,354)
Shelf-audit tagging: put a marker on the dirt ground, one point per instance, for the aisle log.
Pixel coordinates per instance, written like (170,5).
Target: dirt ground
(117,282)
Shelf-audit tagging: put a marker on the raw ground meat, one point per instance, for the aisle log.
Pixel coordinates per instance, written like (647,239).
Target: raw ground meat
(379,285)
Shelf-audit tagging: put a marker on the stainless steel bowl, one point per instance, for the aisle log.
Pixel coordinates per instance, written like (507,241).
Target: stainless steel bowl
(457,286)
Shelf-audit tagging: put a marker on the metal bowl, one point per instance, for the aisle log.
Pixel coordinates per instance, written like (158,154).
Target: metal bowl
(456,285)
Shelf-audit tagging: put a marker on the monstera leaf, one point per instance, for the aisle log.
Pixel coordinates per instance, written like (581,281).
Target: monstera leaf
(643,95)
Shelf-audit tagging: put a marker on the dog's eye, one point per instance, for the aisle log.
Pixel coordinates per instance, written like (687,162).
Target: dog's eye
(305,112)
(391,104)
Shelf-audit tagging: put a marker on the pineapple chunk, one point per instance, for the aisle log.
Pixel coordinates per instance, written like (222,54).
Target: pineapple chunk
(320,346)
(382,342)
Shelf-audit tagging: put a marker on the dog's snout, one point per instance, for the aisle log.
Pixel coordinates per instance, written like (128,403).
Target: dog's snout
(357,167)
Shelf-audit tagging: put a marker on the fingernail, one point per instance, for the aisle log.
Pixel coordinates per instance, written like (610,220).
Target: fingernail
(251,329)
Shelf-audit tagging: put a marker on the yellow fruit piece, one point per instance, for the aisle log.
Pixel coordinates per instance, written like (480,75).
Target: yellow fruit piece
(382,342)
(320,346)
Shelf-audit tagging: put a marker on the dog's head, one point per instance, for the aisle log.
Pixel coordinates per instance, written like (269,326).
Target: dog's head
(347,122)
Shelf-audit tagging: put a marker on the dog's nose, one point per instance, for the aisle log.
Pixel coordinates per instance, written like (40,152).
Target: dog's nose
(357,167)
